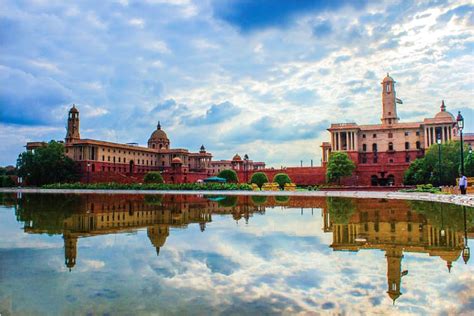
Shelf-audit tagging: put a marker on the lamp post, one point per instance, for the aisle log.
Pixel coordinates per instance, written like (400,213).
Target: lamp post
(460,121)
(88,172)
(466,252)
(439,159)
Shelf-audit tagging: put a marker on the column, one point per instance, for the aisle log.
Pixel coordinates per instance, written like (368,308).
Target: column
(339,145)
(425,135)
(333,145)
(450,133)
(348,141)
(442,135)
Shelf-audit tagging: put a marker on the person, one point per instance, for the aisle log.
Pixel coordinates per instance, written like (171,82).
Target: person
(463,184)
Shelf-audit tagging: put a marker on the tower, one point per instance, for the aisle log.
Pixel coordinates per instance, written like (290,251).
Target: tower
(70,250)
(158,139)
(394,274)
(72,133)
(389,102)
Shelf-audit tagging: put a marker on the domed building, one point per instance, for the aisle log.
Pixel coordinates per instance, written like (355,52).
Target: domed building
(103,161)
(382,152)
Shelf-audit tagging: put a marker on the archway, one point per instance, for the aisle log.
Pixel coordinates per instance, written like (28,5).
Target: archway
(374,180)
(391,180)
(131,164)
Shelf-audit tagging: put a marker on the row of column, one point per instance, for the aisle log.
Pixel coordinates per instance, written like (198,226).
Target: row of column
(431,135)
(351,141)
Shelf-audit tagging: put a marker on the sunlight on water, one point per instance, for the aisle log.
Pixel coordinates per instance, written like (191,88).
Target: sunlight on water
(176,254)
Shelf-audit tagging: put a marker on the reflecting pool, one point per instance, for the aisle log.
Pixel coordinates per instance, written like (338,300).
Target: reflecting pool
(199,255)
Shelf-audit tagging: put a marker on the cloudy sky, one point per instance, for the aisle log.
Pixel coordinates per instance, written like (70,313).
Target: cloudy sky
(264,78)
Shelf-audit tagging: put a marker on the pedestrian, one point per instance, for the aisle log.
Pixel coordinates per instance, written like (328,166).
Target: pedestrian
(463,184)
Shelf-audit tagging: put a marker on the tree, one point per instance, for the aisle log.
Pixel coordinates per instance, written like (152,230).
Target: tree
(259,178)
(427,169)
(339,165)
(153,177)
(281,179)
(46,165)
(229,175)
(469,165)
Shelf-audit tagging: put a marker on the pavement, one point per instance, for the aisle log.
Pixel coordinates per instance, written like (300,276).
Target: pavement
(465,200)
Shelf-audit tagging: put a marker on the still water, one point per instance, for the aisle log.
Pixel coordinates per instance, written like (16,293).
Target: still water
(199,255)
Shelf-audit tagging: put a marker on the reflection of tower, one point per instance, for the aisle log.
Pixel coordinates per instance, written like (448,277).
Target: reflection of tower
(70,250)
(394,274)
(157,235)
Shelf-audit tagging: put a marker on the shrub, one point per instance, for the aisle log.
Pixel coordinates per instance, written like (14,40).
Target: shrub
(339,165)
(259,178)
(259,199)
(153,177)
(6,181)
(229,175)
(281,179)
(152,186)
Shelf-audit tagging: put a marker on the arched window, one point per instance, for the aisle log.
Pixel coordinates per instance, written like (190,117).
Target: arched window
(407,145)
(390,146)
(374,148)
(418,145)
(364,147)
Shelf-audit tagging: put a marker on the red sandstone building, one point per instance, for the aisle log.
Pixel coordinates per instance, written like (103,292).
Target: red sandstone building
(102,161)
(382,152)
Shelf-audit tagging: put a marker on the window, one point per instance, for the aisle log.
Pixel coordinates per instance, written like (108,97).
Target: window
(390,160)
(364,147)
(390,135)
(103,158)
(417,133)
(418,145)
(374,148)
(363,135)
(407,133)
(374,136)
(375,159)
(108,158)
(407,158)
(119,159)
(407,145)
(390,146)
(387,88)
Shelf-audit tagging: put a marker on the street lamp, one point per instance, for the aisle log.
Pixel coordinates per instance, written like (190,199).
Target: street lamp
(466,252)
(460,121)
(88,172)
(439,159)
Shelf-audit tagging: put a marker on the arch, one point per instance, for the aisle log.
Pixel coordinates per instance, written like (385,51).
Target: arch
(131,164)
(390,180)
(374,180)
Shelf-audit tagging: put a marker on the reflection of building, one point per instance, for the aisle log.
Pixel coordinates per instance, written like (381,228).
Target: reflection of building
(102,161)
(382,152)
(394,227)
(96,215)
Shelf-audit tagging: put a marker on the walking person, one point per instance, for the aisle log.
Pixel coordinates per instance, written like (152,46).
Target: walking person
(463,184)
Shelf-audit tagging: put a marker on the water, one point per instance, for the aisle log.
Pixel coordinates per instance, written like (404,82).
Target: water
(134,254)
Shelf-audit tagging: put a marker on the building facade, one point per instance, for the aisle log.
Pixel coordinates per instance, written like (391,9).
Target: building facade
(102,161)
(383,152)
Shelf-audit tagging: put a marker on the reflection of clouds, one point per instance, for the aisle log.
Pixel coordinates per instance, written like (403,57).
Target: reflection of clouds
(268,266)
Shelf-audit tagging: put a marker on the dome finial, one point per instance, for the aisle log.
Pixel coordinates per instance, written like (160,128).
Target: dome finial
(158,126)
(443,107)
(388,75)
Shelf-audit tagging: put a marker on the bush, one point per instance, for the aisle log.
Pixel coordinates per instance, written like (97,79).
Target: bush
(153,177)
(259,178)
(425,188)
(229,175)
(6,182)
(281,179)
(259,199)
(152,186)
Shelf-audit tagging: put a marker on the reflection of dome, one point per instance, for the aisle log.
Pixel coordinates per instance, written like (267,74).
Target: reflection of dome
(158,134)
(176,160)
(388,79)
(236,158)
(157,236)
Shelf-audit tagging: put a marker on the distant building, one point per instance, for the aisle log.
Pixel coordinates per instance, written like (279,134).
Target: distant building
(382,152)
(102,161)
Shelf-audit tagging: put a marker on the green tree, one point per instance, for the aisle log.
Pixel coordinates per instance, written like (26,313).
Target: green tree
(281,179)
(6,181)
(153,177)
(427,169)
(259,178)
(339,165)
(469,165)
(340,209)
(46,165)
(229,175)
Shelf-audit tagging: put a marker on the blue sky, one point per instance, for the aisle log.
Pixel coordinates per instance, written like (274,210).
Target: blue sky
(258,77)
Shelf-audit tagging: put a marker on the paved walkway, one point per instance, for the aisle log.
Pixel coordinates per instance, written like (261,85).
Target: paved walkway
(466,200)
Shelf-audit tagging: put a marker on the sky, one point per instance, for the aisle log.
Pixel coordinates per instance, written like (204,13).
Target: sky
(263,78)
